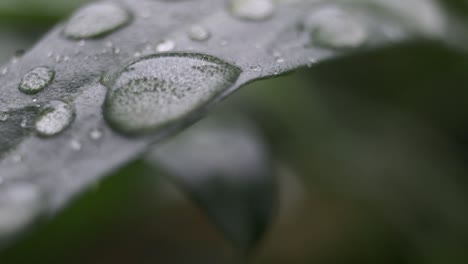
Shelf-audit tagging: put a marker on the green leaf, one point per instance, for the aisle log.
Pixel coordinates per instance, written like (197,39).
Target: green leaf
(157,74)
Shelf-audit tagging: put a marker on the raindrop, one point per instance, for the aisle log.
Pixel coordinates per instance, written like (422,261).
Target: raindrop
(256,68)
(36,80)
(95,134)
(75,145)
(165,45)
(96,20)
(54,118)
(199,33)
(157,90)
(4,116)
(336,28)
(4,71)
(255,10)
(24,123)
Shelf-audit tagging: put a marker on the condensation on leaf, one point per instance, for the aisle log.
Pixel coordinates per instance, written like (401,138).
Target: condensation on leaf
(36,80)
(96,20)
(54,118)
(160,89)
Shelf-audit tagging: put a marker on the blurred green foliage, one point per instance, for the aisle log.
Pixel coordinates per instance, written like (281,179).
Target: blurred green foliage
(371,154)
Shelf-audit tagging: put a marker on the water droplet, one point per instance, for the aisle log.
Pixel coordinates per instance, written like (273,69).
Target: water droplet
(255,10)
(165,45)
(36,80)
(336,28)
(199,33)
(54,118)
(24,123)
(256,68)
(4,71)
(19,204)
(4,116)
(95,134)
(75,145)
(96,20)
(157,90)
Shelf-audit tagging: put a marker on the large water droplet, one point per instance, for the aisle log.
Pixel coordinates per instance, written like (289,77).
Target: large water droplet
(36,80)
(157,90)
(54,118)
(96,20)
(199,33)
(336,28)
(255,10)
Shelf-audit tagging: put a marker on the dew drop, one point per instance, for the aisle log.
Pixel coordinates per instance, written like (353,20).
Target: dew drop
(4,116)
(157,90)
(198,33)
(336,28)
(36,80)
(256,68)
(95,134)
(54,118)
(255,10)
(96,20)
(165,45)
(75,145)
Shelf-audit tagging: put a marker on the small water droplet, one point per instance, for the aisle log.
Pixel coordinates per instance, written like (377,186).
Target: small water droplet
(255,10)
(36,80)
(54,118)
(24,123)
(336,28)
(81,43)
(75,145)
(4,116)
(165,45)
(256,68)
(95,134)
(4,71)
(157,90)
(199,33)
(96,20)
(279,60)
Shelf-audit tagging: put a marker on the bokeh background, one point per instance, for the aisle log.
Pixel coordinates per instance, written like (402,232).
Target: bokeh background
(370,153)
